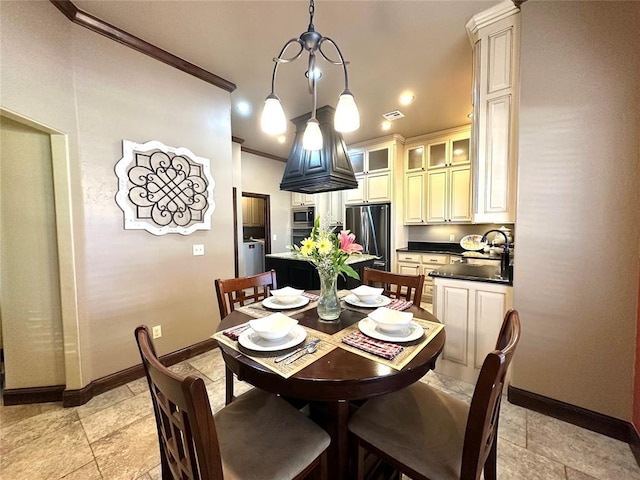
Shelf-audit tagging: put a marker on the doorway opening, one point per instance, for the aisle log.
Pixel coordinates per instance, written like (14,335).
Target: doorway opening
(255,240)
(40,261)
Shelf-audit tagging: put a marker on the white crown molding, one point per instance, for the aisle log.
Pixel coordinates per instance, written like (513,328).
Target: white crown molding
(488,17)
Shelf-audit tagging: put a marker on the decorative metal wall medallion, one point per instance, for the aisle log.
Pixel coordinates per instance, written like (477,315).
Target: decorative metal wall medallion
(164,189)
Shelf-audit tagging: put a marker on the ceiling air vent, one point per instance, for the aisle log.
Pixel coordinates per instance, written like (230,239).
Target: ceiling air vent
(395,115)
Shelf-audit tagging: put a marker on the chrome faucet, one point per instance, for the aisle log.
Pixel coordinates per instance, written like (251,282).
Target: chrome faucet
(505,260)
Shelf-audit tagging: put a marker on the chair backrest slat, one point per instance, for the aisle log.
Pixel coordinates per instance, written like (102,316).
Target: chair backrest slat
(482,424)
(189,448)
(243,291)
(407,287)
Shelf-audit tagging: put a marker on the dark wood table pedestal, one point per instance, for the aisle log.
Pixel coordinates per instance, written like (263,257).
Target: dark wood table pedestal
(336,379)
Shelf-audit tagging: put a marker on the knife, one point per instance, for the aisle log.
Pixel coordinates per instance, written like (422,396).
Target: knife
(297,350)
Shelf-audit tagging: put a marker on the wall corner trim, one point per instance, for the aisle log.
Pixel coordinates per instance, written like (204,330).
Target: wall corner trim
(86,20)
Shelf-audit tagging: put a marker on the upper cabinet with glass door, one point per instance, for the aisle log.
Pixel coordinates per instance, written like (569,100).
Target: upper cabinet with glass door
(372,164)
(429,158)
(448,151)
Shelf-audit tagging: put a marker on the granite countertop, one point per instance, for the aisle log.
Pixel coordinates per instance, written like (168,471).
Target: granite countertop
(476,273)
(447,248)
(351,260)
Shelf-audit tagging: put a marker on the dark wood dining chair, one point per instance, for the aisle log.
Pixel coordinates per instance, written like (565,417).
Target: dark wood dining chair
(239,292)
(430,435)
(396,285)
(259,436)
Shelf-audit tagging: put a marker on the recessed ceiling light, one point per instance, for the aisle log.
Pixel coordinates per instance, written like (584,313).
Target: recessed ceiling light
(244,108)
(406,98)
(386,125)
(282,138)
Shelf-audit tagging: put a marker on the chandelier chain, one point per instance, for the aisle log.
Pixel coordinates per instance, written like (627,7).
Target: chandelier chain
(311,12)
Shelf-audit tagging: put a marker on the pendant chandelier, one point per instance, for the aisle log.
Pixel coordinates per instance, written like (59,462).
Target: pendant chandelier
(346,119)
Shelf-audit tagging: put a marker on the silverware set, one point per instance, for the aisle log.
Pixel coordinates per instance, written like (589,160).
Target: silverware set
(310,347)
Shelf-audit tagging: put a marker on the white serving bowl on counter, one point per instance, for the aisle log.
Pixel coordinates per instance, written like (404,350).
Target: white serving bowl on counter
(367,294)
(287,295)
(273,327)
(391,321)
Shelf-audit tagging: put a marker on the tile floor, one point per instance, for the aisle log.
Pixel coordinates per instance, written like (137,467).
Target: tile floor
(113,437)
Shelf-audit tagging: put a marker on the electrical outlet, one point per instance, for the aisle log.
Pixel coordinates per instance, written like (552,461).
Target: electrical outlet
(157,331)
(452,238)
(198,250)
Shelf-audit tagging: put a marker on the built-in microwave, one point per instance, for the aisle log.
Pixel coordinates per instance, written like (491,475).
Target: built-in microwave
(303,217)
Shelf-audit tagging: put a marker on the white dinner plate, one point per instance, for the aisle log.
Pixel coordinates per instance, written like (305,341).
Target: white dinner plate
(381,301)
(472,242)
(273,304)
(251,340)
(412,332)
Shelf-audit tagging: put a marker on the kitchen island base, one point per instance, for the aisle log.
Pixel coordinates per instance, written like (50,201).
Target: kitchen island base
(298,273)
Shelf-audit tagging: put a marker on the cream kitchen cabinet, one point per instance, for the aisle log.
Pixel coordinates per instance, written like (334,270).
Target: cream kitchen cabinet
(472,314)
(408,263)
(331,205)
(495,37)
(414,263)
(415,198)
(448,151)
(437,178)
(302,199)
(374,165)
(449,195)
(372,187)
(430,262)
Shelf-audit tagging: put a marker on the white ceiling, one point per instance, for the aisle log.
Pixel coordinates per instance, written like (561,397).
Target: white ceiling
(392,46)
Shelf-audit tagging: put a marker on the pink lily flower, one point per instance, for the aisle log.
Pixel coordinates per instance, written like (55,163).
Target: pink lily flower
(347,242)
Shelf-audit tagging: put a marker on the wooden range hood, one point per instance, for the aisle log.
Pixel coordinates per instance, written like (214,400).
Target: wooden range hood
(322,170)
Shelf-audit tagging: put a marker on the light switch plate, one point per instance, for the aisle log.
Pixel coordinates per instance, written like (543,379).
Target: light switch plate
(198,250)
(157,331)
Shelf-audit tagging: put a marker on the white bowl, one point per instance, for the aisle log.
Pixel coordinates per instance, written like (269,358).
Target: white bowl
(390,321)
(367,294)
(287,295)
(273,327)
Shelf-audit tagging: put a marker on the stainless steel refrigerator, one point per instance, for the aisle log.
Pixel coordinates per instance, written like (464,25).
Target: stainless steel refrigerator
(372,226)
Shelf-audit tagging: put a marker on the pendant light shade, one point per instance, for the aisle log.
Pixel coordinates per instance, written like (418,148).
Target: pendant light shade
(312,139)
(347,118)
(273,120)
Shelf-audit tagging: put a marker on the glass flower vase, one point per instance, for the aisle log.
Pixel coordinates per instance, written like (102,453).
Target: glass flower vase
(328,303)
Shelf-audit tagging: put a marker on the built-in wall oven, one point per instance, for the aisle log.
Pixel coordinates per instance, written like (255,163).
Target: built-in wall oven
(303,217)
(299,234)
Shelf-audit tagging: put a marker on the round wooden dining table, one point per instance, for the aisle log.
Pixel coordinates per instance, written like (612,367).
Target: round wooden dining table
(337,378)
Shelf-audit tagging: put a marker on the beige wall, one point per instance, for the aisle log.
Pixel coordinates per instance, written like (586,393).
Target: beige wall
(263,175)
(30,290)
(99,92)
(576,272)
